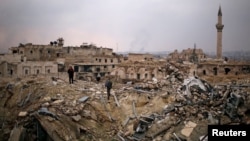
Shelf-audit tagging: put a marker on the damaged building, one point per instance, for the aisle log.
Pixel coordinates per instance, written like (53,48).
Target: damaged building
(222,68)
(173,99)
(15,65)
(141,67)
(199,64)
(98,65)
(175,107)
(51,59)
(191,55)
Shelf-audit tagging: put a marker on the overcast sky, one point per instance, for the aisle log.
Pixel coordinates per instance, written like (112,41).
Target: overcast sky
(126,25)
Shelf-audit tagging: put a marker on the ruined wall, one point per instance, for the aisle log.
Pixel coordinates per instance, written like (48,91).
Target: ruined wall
(36,68)
(38,52)
(3,69)
(36,59)
(193,71)
(10,57)
(50,53)
(101,64)
(221,69)
(8,64)
(138,73)
(144,70)
(173,56)
(186,54)
(139,57)
(87,50)
(120,72)
(105,59)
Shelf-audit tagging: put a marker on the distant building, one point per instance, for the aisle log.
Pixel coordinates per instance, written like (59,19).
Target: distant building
(140,57)
(192,55)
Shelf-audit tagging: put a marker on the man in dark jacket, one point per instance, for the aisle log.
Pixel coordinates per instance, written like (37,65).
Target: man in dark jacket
(71,74)
(108,85)
(98,77)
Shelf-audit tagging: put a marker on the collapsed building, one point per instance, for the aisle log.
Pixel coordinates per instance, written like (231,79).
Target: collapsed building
(191,55)
(152,100)
(199,64)
(175,107)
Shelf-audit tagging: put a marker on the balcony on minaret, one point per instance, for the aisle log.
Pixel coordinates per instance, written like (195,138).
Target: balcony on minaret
(219,27)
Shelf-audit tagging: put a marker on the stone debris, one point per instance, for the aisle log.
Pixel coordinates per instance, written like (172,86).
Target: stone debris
(188,129)
(44,111)
(83,99)
(76,118)
(176,107)
(22,114)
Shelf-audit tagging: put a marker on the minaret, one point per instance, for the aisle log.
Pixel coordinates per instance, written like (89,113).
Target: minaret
(219,27)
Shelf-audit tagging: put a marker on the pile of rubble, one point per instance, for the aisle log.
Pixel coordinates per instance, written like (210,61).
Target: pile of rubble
(175,108)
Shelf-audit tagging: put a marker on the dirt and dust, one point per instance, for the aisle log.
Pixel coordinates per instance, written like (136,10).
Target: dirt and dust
(45,108)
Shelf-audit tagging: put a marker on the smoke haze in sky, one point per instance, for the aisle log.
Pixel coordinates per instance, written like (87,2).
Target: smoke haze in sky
(126,25)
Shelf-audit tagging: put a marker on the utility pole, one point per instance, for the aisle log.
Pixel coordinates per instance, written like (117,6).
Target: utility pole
(116,47)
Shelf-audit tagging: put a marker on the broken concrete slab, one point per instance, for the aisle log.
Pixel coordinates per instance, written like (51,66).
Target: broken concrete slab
(83,99)
(23,114)
(57,102)
(44,111)
(76,118)
(56,130)
(16,133)
(188,129)
(197,83)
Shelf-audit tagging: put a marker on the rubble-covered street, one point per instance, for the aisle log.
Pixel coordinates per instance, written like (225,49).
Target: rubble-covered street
(174,108)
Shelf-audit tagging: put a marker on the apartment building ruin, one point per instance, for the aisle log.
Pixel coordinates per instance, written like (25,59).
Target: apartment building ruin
(192,55)
(199,64)
(51,59)
(20,64)
(97,65)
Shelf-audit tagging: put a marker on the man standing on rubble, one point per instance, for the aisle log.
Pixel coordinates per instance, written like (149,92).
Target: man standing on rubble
(98,77)
(71,74)
(108,85)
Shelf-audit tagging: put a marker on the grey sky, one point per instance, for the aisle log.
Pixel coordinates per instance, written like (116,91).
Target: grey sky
(126,25)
